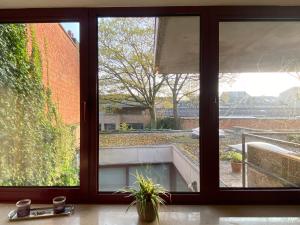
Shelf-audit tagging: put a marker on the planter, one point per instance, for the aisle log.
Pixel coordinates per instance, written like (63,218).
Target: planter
(236,167)
(149,214)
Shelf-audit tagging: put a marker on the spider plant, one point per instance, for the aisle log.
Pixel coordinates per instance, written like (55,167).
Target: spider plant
(147,197)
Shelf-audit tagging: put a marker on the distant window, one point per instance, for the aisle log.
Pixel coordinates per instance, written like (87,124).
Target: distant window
(136,126)
(109,126)
(108,110)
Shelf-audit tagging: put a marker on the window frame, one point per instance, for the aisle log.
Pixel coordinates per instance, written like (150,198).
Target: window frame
(111,197)
(210,16)
(45,194)
(286,195)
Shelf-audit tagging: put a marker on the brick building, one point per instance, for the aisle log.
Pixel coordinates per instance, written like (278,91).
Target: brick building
(111,116)
(61,65)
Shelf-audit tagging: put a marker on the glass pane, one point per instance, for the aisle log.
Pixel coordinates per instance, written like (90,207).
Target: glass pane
(149,102)
(39,104)
(259,102)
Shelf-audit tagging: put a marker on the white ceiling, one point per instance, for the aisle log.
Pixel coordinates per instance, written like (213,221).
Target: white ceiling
(122,3)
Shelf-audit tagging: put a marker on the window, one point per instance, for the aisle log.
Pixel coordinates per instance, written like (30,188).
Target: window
(109,126)
(155,91)
(40,104)
(259,86)
(90,157)
(136,126)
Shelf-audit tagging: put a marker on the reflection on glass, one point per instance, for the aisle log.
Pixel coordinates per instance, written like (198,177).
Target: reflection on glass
(258,220)
(259,103)
(149,101)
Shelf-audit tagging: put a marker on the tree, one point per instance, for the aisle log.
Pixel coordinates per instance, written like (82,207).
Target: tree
(181,85)
(126,54)
(187,85)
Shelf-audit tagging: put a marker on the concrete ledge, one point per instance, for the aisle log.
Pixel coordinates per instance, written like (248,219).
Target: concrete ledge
(150,154)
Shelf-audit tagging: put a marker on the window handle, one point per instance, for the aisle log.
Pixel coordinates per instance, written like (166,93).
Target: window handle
(216,100)
(84,111)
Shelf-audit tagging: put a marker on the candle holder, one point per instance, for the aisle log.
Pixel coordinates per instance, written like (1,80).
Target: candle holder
(59,204)
(23,207)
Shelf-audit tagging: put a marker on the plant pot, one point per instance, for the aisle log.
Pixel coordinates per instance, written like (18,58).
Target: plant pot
(236,167)
(149,214)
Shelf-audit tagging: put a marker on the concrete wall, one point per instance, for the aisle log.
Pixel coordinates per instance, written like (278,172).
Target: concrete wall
(272,166)
(151,154)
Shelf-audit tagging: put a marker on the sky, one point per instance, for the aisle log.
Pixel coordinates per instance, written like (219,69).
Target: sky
(261,84)
(74,27)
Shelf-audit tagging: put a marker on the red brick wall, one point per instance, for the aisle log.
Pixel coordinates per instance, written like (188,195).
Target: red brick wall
(60,58)
(269,124)
(189,123)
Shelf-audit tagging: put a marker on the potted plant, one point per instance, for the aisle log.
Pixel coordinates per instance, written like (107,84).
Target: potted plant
(236,162)
(147,198)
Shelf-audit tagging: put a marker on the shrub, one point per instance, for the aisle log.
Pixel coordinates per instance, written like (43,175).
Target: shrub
(294,138)
(236,157)
(231,156)
(124,127)
(166,123)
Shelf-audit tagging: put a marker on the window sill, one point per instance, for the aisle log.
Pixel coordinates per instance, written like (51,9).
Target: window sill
(215,215)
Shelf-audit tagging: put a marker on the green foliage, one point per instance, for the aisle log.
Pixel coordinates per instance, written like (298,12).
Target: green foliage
(236,157)
(166,123)
(232,156)
(146,192)
(294,138)
(124,127)
(36,147)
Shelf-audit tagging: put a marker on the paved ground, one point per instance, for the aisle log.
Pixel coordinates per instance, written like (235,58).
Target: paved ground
(228,178)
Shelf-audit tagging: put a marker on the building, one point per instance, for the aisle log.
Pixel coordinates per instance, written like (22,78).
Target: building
(113,115)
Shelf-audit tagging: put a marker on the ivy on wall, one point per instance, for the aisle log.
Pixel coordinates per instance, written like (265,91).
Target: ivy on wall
(36,147)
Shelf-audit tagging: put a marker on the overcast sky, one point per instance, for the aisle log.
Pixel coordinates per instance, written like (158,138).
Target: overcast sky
(258,84)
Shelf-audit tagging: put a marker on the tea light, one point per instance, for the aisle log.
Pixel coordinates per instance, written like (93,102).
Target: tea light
(59,203)
(23,207)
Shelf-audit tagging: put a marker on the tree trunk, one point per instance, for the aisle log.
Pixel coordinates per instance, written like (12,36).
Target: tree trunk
(175,113)
(152,118)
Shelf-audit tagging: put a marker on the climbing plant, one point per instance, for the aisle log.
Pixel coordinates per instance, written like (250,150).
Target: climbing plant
(36,147)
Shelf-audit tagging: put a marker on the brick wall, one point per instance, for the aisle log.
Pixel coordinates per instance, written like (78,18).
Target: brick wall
(272,166)
(269,124)
(60,58)
(189,123)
